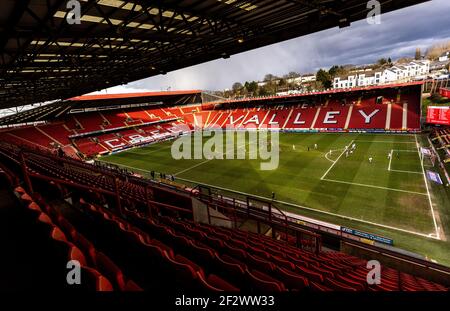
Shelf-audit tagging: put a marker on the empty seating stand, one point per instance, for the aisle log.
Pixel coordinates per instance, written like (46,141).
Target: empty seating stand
(246,261)
(169,252)
(52,235)
(135,126)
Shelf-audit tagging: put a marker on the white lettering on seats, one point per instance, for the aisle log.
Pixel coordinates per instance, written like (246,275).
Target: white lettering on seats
(369,117)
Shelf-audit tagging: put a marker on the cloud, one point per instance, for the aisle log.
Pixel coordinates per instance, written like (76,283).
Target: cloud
(398,35)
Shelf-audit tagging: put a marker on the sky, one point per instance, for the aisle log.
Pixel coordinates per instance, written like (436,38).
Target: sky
(398,35)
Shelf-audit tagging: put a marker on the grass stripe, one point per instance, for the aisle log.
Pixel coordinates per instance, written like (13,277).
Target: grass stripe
(372,186)
(334,163)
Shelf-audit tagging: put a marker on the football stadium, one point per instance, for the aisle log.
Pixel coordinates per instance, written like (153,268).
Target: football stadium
(182,190)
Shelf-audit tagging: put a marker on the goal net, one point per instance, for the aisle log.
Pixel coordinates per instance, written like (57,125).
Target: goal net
(427,157)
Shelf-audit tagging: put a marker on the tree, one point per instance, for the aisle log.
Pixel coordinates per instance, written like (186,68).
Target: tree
(382,61)
(389,61)
(291,75)
(270,77)
(324,78)
(336,70)
(262,91)
(404,60)
(251,87)
(333,70)
(437,50)
(418,54)
(227,93)
(237,86)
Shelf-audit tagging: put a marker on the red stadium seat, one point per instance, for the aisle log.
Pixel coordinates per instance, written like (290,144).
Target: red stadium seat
(259,263)
(110,270)
(163,251)
(319,287)
(93,280)
(311,275)
(265,283)
(291,280)
(339,286)
(215,283)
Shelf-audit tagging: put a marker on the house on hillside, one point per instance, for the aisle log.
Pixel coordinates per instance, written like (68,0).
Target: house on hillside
(309,77)
(347,81)
(399,72)
(444,57)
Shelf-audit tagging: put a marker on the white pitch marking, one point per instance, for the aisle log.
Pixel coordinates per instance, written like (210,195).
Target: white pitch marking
(373,186)
(390,160)
(408,172)
(328,153)
(298,206)
(400,171)
(206,161)
(312,209)
(334,163)
(384,142)
(432,236)
(428,191)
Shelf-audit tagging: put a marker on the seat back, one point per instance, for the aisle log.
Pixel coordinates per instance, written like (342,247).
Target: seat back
(290,279)
(262,282)
(110,270)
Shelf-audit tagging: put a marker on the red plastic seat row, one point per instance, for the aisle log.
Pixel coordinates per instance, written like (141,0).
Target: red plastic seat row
(203,252)
(265,261)
(186,270)
(342,279)
(59,249)
(91,257)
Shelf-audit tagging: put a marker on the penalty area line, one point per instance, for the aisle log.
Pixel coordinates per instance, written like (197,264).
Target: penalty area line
(373,186)
(334,163)
(407,172)
(436,227)
(384,142)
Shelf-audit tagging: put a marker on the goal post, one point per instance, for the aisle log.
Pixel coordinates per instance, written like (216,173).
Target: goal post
(427,157)
(433,158)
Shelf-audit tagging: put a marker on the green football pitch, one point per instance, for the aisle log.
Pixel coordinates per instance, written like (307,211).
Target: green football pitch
(389,196)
